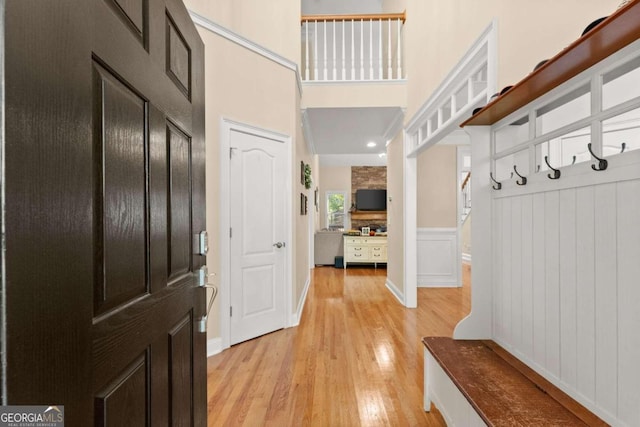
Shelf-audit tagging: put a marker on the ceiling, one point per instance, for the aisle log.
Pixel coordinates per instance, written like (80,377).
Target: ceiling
(340,135)
(347,131)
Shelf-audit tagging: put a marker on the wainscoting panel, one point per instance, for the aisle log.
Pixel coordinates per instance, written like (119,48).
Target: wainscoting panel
(439,262)
(566,292)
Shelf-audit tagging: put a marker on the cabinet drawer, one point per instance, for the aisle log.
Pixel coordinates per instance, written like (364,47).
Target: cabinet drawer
(355,240)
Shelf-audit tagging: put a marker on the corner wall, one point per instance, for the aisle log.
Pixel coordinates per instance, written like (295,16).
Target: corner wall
(244,86)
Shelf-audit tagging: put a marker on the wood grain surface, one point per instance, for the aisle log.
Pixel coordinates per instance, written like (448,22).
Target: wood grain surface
(356,358)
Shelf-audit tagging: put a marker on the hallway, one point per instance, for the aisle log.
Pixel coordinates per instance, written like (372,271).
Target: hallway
(355,359)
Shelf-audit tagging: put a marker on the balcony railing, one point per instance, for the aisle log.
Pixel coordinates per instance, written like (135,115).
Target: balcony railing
(352,47)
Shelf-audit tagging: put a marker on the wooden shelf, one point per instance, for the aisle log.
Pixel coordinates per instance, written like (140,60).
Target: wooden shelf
(375,215)
(614,33)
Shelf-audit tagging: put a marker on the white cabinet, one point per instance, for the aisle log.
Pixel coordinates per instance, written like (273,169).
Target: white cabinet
(365,249)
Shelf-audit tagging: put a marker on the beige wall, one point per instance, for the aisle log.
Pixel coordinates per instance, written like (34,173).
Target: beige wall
(355,95)
(437,187)
(437,34)
(334,178)
(395,210)
(273,24)
(245,87)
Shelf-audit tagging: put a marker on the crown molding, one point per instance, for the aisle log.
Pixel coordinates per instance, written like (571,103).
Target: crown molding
(236,38)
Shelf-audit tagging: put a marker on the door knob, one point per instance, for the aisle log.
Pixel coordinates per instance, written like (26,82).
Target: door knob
(279,245)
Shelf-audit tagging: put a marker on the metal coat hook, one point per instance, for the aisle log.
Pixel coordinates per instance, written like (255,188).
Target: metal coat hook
(537,168)
(499,184)
(624,147)
(523,179)
(556,172)
(602,163)
(573,162)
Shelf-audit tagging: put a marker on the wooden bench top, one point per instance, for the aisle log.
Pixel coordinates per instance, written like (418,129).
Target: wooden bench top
(503,390)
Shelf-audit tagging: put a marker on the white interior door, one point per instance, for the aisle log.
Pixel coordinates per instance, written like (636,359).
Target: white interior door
(258,186)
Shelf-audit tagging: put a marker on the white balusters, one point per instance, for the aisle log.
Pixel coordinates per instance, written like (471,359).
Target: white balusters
(399,54)
(365,60)
(389,70)
(353,51)
(315,51)
(362,50)
(380,76)
(370,49)
(344,68)
(335,76)
(325,50)
(306,51)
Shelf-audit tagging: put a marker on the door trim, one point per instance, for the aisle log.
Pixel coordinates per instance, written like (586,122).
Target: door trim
(226,127)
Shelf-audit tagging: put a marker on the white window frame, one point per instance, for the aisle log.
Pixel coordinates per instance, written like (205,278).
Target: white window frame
(330,193)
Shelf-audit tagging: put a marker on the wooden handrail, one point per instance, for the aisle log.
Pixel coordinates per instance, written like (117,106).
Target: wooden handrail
(365,17)
(466,179)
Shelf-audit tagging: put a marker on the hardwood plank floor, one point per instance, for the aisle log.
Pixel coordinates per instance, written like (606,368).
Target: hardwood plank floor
(355,359)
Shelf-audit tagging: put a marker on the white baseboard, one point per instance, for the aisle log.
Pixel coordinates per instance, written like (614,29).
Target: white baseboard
(428,282)
(395,291)
(214,346)
(295,318)
(466,258)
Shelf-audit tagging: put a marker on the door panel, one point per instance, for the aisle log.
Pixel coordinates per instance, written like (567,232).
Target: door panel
(105,191)
(120,220)
(257,220)
(179,201)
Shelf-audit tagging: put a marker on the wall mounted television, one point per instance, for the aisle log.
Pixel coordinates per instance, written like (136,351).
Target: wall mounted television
(371,200)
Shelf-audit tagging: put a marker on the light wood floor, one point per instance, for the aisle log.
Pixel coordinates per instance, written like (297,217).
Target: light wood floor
(356,358)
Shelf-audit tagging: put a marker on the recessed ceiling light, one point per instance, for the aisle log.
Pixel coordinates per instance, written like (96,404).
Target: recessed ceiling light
(371,144)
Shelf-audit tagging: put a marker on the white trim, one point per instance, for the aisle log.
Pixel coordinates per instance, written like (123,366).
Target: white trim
(488,37)
(410,226)
(436,268)
(466,258)
(247,44)
(308,134)
(295,317)
(395,291)
(226,127)
(214,346)
(411,141)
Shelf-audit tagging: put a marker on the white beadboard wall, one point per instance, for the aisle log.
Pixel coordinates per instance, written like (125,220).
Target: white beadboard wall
(439,261)
(566,295)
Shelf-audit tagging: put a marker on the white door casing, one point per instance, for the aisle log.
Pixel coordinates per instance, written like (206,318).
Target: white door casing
(257,196)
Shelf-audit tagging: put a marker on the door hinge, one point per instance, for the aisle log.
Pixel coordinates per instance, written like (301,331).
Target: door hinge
(230,311)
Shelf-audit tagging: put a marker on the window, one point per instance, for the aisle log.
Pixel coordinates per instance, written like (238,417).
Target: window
(336,210)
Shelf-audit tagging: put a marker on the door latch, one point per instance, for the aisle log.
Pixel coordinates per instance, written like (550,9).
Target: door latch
(201,243)
(203,282)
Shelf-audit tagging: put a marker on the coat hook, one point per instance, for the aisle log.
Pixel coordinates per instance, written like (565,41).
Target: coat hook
(573,162)
(556,172)
(624,147)
(499,184)
(523,179)
(537,168)
(602,163)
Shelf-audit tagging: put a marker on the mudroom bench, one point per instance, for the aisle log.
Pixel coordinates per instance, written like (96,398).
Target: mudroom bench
(483,384)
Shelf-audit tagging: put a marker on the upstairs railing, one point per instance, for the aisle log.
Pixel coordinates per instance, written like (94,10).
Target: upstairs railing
(465,190)
(352,47)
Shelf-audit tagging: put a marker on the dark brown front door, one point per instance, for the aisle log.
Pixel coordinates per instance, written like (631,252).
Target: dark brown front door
(103,148)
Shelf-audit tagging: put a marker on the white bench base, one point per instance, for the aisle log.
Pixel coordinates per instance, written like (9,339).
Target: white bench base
(439,389)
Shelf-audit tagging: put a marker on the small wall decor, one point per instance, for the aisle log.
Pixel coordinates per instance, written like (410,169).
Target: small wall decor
(302,172)
(302,203)
(307,176)
(305,205)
